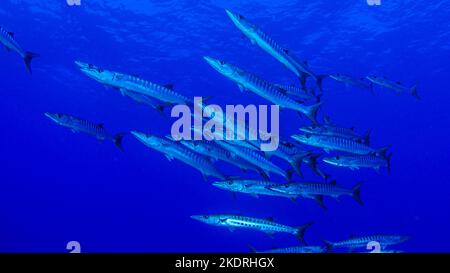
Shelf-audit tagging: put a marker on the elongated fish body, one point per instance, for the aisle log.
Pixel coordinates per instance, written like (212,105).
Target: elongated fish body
(312,189)
(247,81)
(297,92)
(253,158)
(84,126)
(135,84)
(8,41)
(355,162)
(336,131)
(329,143)
(361,242)
(143,99)
(258,37)
(242,222)
(215,152)
(252,187)
(173,150)
(348,80)
(296,249)
(396,86)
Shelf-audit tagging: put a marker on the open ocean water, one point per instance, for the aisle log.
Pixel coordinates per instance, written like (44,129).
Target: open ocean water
(57,186)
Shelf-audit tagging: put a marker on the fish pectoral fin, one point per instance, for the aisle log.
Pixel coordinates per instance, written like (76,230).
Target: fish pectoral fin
(327,151)
(254,195)
(7,49)
(74,131)
(241,87)
(231,229)
(270,234)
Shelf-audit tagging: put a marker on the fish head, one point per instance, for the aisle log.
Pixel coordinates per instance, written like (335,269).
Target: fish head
(96,73)
(221,66)
(374,79)
(302,138)
(241,22)
(336,77)
(228,185)
(149,140)
(58,118)
(215,220)
(333,160)
(313,129)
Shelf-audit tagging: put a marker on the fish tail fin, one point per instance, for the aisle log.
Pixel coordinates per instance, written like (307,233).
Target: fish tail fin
(382,151)
(328,245)
(27,59)
(356,193)
(367,136)
(319,80)
(288,175)
(296,162)
(311,112)
(371,88)
(319,97)
(319,200)
(302,79)
(300,232)
(118,140)
(414,92)
(388,158)
(312,164)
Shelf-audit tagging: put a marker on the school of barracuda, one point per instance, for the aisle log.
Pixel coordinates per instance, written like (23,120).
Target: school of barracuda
(352,148)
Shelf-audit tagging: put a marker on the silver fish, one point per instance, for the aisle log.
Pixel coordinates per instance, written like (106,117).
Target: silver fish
(8,41)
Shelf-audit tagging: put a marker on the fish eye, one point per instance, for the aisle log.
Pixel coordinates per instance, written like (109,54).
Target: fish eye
(338,157)
(99,70)
(240,16)
(206,216)
(230,183)
(90,66)
(59,115)
(222,62)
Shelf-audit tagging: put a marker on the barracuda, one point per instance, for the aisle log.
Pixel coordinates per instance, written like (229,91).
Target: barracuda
(359,242)
(328,129)
(8,41)
(294,249)
(258,37)
(347,80)
(314,189)
(355,162)
(124,83)
(267,226)
(87,127)
(297,92)
(328,143)
(396,86)
(247,81)
(173,150)
(254,188)
(254,158)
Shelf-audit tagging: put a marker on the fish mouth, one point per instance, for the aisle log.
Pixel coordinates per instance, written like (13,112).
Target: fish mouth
(82,65)
(138,135)
(197,217)
(212,62)
(219,184)
(233,16)
(51,116)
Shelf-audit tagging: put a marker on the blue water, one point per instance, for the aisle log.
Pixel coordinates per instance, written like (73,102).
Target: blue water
(57,186)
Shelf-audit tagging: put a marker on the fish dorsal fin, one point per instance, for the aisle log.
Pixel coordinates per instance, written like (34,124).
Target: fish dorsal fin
(351,236)
(136,75)
(285,50)
(11,34)
(101,125)
(305,63)
(333,183)
(397,82)
(169,86)
(352,128)
(269,219)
